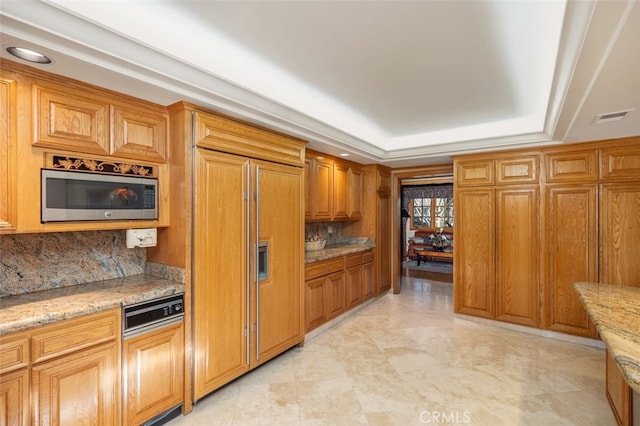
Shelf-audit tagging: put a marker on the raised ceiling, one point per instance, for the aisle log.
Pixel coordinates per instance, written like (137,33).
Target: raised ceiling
(392,82)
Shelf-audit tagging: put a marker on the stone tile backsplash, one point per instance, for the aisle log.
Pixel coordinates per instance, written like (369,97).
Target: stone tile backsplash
(34,262)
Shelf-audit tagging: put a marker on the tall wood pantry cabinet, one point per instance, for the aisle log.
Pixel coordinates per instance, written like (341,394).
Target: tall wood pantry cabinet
(496,202)
(246,263)
(531,224)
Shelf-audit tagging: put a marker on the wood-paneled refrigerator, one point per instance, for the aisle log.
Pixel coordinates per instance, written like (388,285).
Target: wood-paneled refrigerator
(247,260)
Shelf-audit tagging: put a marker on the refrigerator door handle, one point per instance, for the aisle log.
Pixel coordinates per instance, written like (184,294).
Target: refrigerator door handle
(257,261)
(248,265)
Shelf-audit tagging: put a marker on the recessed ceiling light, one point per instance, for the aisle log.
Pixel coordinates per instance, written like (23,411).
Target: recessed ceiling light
(28,55)
(344,154)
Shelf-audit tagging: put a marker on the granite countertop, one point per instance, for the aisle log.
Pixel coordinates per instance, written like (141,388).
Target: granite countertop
(334,251)
(615,311)
(29,310)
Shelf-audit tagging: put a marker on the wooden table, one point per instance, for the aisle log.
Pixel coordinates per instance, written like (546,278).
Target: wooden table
(447,254)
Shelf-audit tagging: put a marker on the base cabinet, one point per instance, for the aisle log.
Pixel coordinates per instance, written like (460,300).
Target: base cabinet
(618,392)
(65,373)
(78,389)
(153,373)
(14,398)
(334,286)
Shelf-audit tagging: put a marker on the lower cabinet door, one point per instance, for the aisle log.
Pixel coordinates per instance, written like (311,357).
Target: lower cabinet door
(82,388)
(153,373)
(14,398)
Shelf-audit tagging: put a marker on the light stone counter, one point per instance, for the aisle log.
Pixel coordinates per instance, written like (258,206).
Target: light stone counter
(615,311)
(29,310)
(334,251)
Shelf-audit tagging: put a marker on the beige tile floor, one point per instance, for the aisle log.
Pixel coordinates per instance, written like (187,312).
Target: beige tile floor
(405,360)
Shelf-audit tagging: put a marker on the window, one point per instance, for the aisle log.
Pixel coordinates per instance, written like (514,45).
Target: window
(432,213)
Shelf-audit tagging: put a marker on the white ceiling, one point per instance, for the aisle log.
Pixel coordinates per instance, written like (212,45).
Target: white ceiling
(392,82)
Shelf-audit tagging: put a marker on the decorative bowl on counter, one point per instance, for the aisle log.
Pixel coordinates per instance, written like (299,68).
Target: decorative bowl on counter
(314,245)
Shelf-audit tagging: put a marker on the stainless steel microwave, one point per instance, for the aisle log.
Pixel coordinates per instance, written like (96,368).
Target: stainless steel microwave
(79,196)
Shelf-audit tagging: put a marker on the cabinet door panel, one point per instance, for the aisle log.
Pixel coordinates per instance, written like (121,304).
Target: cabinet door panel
(354,286)
(517,256)
(474,173)
(474,257)
(139,134)
(70,120)
(368,280)
(356,188)
(149,393)
(14,398)
(220,314)
(78,389)
(335,295)
(322,190)
(278,306)
(314,303)
(340,191)
(8,185)
(620,234)
(572,247)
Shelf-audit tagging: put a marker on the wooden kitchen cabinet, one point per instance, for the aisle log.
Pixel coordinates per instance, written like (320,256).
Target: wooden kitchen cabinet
(147,391)
(8,182)
(78,389)
(81,121)
(354,280)
(14,379)
(497,257)
(618,392)
(517,248)
(320,188)
(355,189)
(474,256)
(14,398)
(75,373)
(333,189)
(340,203)
(52,122)
(335,295)
(336,285)
(324,291)
(620,234)
(572,247)
(368,275)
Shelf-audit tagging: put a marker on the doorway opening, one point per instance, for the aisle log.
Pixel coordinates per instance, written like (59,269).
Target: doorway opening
(423,240)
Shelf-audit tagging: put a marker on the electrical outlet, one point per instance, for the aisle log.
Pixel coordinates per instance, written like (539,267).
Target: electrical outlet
(142,237)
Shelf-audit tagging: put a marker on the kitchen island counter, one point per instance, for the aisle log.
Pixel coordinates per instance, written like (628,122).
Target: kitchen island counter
(24,311)
(615,311)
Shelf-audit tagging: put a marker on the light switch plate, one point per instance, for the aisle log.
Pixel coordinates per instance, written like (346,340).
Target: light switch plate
(147,237)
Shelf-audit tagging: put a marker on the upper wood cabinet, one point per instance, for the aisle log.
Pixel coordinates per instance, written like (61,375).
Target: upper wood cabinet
(521,169)
(8,182)
(81,121)
(474,173)
(333,189)
(68,119)
(355,188)
(572,166)
(319,184)
(621,162)
(49,121)
(340,191)
(503,170)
